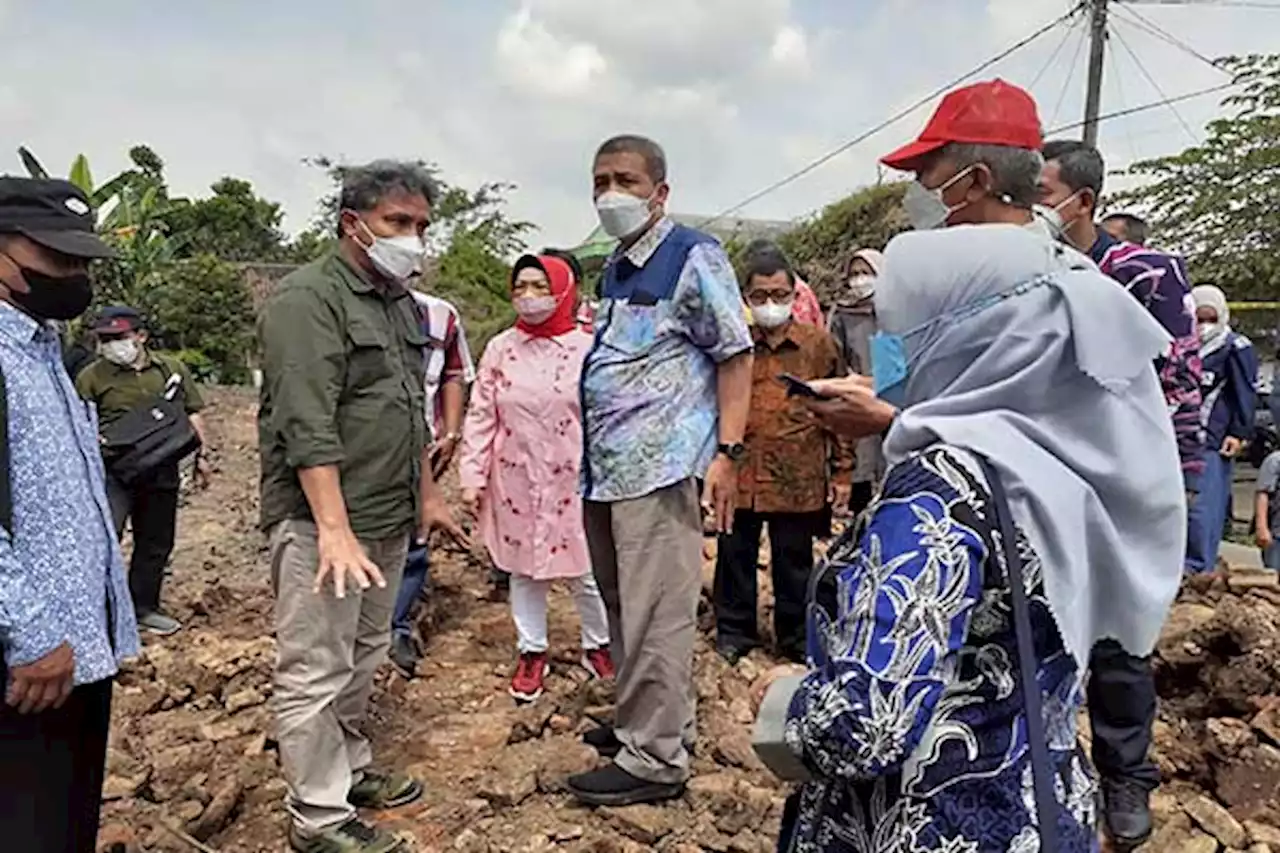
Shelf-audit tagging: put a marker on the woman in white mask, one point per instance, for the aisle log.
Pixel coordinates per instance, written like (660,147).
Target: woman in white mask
(1229,392)
(521,450)
(852,325)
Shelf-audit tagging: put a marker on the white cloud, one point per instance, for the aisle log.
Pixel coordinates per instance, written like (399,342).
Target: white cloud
(538,62)
(790,51)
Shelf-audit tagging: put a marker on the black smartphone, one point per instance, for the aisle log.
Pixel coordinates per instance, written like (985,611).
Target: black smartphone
(800,388)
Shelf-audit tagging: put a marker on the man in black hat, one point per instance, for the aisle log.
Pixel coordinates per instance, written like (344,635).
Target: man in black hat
(66,621)
(126,375)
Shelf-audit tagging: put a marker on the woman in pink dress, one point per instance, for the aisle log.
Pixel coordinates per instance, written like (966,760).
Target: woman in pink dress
(521,448)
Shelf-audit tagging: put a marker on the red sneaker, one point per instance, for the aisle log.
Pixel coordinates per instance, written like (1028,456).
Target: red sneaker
(531,669)
(599,663)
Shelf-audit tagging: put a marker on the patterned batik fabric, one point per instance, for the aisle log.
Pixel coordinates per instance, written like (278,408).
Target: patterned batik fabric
(912,719)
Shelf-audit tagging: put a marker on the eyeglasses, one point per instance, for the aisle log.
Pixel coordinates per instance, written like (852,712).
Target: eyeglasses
(777,297)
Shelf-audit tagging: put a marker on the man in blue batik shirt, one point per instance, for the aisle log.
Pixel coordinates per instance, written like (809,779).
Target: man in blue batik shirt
(66,620)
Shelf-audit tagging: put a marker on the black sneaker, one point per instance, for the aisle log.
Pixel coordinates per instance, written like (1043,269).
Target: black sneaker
(613,786)
(404,655)
(604,741)
(1126,807)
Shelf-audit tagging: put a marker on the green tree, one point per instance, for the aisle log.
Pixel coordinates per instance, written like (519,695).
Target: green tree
(203,305)
(1218,203)
(234,224)
(820,246)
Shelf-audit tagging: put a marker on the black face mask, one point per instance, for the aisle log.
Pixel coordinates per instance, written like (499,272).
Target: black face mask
(51,297)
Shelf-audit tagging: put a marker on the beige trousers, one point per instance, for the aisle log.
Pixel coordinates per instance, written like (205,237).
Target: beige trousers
(647,556)
(327,652)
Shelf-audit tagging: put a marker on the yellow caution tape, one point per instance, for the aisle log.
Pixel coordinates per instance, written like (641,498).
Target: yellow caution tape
(1254,306)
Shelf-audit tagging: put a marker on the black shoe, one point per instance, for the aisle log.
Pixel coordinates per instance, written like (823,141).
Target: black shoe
(604,741)
(733,652)
(404,654)
(613,786)
(1127,812)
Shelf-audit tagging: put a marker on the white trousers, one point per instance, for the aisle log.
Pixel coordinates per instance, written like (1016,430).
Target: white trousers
(529,610)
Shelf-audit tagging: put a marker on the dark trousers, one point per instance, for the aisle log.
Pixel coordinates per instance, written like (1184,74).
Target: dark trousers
(860,496)
(51,769)
(735,591)
(152,506)
(1122,711)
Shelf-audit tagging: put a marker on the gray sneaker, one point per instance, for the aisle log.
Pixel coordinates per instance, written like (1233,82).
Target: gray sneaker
(157,623)
(354,836)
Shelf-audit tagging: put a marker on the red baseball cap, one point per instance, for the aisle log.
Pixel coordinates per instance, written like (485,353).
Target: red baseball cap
(989,113)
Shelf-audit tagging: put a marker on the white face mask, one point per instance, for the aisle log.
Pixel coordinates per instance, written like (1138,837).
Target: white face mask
(771,315)
(1053,219)
(124,352)
(925,207)
(535,310)
(1209,331)
(862,286)
(622,214)
(398,258)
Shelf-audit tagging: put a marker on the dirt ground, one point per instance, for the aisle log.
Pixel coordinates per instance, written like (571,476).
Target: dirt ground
(192,766)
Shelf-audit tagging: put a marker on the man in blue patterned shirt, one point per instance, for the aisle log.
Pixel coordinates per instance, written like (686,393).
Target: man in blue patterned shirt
(665,393)
(66,620)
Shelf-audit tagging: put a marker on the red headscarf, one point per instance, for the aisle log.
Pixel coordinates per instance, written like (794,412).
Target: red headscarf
(563,288)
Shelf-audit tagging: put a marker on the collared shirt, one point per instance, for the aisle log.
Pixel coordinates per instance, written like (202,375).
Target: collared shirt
(117,390)
(790,457)
(448,356)
(343,380)
(1159,281)
(62,579)
(650,408)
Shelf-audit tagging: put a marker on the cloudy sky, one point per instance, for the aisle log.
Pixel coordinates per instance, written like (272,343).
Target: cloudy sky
(741,92)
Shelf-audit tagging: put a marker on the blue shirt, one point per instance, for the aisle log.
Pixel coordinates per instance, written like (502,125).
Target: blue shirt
(912,720)
(62,578)
(671,312)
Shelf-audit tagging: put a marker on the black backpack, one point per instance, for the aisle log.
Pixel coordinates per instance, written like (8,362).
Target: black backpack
(155,434)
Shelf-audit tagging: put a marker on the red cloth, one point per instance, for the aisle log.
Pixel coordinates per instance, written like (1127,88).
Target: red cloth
(806,309)
(563,288)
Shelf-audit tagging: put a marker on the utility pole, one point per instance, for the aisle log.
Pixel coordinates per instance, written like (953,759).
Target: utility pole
(1097,54)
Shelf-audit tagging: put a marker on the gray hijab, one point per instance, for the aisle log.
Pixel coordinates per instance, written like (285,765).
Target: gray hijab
(1053,382)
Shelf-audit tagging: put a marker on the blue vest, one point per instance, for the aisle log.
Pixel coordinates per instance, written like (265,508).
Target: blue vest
(657,279)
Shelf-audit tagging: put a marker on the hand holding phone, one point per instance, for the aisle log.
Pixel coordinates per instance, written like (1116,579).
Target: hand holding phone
(799,388)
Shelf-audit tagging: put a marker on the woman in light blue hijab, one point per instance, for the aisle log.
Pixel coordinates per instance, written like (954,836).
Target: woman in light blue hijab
(1014,364)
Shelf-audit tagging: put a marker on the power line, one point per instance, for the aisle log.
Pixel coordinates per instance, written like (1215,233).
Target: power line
(893,119)
(1144,108)
(1071,73)
(1153,29)
(1195,140)
(1066,36)
(1124,102)
(1237,4)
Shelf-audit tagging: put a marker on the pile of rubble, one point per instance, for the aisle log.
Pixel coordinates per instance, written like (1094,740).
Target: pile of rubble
(1218,738)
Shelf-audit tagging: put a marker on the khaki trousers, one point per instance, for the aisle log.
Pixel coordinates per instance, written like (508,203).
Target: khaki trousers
(647,556)
(327,652)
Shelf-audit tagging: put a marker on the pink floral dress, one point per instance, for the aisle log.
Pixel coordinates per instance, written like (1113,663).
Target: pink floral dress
(522,445)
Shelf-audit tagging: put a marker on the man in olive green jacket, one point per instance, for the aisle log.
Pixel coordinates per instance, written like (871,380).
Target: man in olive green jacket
(346,480)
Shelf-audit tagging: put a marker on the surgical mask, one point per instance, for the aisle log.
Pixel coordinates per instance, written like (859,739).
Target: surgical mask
(124,352)
(622,214)
(535,310)
(398,258)
(926,208)
(771,315)
(52,297)
(862,286)
(1053,219)
(1210,331)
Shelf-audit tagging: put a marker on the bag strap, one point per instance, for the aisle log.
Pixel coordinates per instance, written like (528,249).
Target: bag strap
(1046,801)
(6,484)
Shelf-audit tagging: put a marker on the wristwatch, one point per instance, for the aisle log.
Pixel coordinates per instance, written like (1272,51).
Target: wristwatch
(735,452)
